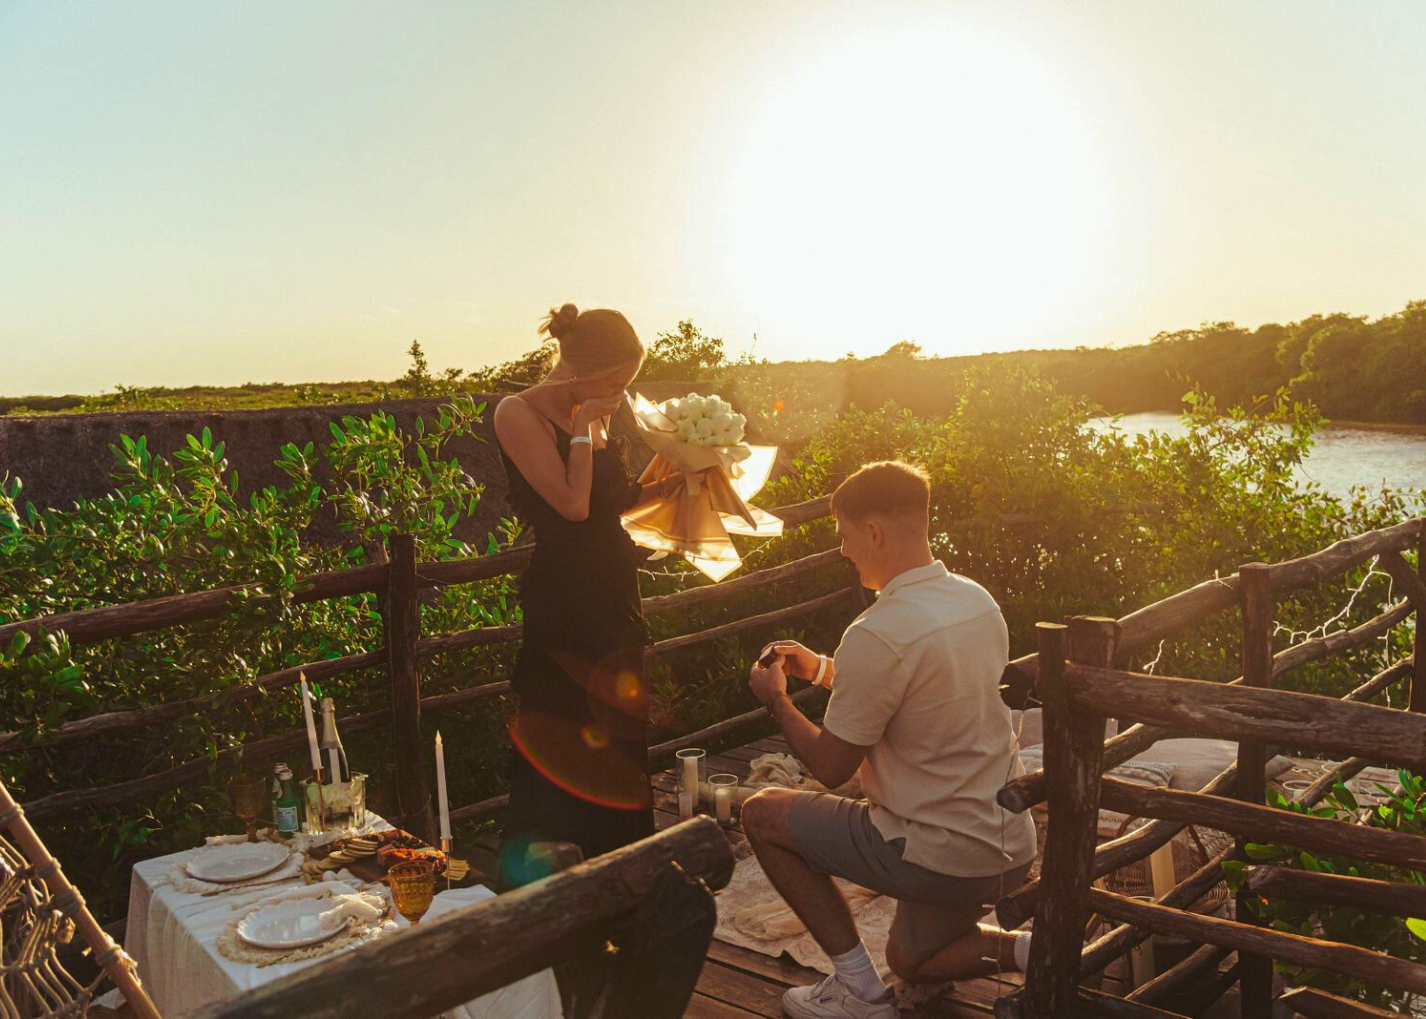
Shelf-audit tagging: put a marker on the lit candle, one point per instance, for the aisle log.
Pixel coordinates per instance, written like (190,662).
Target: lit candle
(441,787)
(723,803)
(685,806)
(311,725)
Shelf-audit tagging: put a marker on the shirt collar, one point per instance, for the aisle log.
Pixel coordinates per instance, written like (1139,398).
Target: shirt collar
(931,571)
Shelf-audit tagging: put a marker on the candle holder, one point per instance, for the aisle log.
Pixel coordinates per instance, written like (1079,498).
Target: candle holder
(692,765)
(725,797)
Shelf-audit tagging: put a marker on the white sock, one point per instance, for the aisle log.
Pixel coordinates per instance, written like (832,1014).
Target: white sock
(855,971)
(1022,950)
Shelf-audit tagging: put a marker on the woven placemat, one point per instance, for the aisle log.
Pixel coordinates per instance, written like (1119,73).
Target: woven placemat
(236,949)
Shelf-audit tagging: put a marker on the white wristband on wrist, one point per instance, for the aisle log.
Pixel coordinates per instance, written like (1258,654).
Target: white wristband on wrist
(821,670)
(581,438)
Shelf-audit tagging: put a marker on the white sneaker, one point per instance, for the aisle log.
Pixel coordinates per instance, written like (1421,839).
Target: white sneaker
(830,999)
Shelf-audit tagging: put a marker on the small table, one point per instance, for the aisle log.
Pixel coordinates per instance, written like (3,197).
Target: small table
(173,935)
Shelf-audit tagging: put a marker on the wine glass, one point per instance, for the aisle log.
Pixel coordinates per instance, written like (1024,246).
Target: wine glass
(412,884)
(249,796)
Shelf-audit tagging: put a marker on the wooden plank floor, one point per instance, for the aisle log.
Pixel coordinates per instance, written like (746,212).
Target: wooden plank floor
(739,982)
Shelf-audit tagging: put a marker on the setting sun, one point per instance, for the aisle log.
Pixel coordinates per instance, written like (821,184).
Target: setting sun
(921,171)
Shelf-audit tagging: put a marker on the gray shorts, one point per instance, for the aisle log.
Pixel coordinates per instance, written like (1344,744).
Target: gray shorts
(835,836)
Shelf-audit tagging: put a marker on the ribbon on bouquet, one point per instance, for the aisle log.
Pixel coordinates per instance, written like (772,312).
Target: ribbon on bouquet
(709,502)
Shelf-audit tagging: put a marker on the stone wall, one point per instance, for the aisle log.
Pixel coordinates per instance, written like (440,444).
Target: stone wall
(65,457)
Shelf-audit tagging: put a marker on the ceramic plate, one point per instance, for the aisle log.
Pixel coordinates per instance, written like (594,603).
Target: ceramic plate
(290,924)
(236,862)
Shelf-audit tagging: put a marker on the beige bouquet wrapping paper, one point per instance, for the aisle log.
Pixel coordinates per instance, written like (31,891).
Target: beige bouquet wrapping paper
(710,500)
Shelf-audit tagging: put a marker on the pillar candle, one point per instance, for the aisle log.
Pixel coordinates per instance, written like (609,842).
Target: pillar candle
(690,775)
(685,806)
(441,788)
(723,803)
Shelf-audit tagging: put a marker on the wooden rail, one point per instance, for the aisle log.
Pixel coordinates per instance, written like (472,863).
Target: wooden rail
(1078,693)
(397,581)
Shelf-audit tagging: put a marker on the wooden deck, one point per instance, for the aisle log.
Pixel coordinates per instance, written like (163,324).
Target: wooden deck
(738,982)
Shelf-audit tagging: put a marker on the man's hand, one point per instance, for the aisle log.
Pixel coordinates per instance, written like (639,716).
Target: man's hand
(797,660)
(767,682)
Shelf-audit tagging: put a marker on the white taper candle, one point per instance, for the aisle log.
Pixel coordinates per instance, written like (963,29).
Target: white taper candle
(311,725)
(441,788)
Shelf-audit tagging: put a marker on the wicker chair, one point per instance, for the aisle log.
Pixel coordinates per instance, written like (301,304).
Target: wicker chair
(39,911)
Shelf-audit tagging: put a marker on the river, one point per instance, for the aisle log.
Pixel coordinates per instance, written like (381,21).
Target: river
(1343,455)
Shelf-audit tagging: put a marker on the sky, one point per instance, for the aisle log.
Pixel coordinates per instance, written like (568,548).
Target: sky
(224,193)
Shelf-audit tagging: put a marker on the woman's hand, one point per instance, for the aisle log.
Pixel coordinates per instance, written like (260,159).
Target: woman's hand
(796,660)
(594,410)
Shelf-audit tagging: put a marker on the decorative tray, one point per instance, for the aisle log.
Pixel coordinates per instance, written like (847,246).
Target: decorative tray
(370,856)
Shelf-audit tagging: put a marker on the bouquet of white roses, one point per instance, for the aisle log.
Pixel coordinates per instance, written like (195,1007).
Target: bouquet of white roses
(698,445)
(705,420)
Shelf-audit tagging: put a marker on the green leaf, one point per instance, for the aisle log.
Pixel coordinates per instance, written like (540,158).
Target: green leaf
(1417,927)
(1259,851)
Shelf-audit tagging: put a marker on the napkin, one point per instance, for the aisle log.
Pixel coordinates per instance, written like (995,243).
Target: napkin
(363,909)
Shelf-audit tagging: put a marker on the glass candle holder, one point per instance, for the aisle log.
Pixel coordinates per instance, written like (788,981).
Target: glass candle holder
(337,806)
(692,773)
(724,789)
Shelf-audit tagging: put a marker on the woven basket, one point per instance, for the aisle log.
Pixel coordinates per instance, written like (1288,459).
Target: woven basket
(1192,848)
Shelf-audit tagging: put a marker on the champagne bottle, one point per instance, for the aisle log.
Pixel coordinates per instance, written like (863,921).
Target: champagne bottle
(286,804)
(334,756)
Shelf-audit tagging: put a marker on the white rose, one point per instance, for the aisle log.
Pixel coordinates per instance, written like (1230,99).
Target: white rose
(704,426)
(686,431)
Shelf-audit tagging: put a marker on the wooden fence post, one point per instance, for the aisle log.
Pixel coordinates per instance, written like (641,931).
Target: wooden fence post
(401,614)
(1074,747)
(1255,589)
(1418,648)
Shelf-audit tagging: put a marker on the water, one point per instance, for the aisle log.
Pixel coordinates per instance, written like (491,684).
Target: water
(1343,456)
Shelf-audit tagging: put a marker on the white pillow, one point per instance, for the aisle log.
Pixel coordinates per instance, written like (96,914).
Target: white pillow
(1029,725)
(1198,761)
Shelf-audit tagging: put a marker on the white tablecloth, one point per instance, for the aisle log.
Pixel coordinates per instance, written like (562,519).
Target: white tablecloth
(173,935)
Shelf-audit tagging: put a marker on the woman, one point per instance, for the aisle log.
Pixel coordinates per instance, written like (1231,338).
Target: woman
(579,759)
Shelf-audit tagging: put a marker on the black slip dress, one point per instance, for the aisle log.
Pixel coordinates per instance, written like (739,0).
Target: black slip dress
(579,768)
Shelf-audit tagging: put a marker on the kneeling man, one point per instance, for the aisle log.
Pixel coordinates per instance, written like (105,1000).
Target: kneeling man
(915,707)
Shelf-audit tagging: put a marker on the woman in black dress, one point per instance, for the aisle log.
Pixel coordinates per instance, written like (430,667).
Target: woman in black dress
(579,759)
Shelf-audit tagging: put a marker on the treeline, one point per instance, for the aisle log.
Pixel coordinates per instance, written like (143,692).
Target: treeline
(1353,369)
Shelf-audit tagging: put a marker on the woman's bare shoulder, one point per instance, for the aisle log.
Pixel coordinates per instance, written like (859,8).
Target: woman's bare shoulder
(514,414)
(518,425)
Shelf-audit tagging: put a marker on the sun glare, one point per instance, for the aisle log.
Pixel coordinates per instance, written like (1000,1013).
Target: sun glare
(921,185)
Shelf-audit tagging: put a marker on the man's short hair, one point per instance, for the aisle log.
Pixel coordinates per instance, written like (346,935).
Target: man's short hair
(889,488)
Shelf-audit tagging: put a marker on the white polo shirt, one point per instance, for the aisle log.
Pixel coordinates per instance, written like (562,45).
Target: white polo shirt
(917,680)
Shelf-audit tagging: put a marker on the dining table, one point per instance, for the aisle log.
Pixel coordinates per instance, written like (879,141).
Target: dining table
(173,933)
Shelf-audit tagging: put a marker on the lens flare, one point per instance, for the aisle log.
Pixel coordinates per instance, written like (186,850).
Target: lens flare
(594,736)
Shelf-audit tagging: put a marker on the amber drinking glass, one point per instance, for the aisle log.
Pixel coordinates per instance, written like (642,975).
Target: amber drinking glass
(412,884)
(249,796)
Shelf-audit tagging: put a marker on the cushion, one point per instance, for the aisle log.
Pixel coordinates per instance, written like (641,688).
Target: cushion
(1198,761)
(1153,774)
(1029,727)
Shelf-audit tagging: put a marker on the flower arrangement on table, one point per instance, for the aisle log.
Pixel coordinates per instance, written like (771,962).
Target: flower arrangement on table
(709,473)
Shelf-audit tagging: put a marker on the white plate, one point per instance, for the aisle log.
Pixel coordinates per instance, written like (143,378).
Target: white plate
(236,862)
(290,924)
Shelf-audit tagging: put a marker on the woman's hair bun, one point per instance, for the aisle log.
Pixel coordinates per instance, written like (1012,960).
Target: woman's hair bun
(561,321)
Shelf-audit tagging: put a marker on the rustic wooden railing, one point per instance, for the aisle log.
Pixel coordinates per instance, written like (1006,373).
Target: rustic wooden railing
(631,928)
(1076,682)
(399,580)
